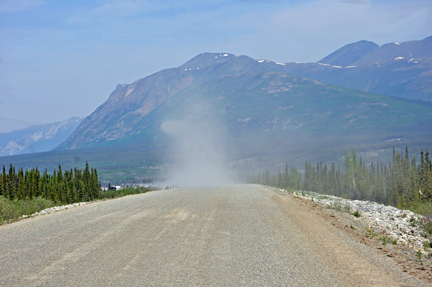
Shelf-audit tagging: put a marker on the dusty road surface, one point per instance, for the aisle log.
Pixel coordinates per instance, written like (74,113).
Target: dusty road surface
(215,236)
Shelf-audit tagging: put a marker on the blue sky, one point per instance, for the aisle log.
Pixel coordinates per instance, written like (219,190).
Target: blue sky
(60,59)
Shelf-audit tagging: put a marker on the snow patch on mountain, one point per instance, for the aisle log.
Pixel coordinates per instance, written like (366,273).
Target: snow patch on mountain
(37,138)
(129,90)
(12,148)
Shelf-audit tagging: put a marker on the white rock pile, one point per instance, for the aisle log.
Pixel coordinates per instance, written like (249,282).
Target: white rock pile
(401,225)
(55,209)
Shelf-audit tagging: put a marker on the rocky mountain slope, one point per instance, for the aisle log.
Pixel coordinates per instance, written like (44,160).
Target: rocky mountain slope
(264,113)
(395,69)
(129,103)
(37,138)
(248,98)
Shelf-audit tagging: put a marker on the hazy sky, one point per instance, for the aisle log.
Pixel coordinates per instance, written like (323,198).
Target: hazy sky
(60,59)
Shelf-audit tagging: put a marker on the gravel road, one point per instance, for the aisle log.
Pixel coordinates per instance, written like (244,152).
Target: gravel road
(214,236)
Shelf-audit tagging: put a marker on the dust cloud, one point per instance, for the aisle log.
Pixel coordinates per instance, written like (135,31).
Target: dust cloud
(199,155)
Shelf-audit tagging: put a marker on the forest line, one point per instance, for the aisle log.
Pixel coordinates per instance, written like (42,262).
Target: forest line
(403,182)
(26,192)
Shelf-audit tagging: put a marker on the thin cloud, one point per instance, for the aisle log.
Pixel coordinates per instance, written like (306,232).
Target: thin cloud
(15,120)
(7,6)
(119,9)
(261,1)
(331,24)
(8,125)
(353,1)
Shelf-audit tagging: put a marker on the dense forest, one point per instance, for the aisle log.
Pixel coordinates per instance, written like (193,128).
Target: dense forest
(70,186)
(26,192)
(403,182)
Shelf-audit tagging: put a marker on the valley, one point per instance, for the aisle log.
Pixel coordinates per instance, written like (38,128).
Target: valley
(264,113)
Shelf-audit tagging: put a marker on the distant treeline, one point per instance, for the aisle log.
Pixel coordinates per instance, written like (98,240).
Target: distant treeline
(403,182)
(70,186)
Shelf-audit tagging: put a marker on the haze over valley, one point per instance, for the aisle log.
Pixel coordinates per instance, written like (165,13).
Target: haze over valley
(251,114)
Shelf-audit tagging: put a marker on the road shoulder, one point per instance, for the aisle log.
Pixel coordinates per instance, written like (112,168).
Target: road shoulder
(344,223)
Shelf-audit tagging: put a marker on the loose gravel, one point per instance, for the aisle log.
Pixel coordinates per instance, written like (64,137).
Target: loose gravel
(401,225)
(243,235)
(55,209)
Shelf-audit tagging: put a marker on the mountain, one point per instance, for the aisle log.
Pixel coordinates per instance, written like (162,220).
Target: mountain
(258,111)
(395,69)
(255,101)
(37,138)
(350,53)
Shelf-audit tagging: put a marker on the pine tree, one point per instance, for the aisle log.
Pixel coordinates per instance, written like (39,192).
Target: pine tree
(295,179)
(5,183)
(427,178)
(37,189)
(20,184)
(279,179)
(11,179)
(414,199)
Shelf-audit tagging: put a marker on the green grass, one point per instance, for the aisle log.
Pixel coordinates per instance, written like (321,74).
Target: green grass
(12,210)
(423,209)
(125,191)
(339,207)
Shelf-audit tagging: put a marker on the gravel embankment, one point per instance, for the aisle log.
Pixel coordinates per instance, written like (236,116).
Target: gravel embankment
(55,209)
(402,225)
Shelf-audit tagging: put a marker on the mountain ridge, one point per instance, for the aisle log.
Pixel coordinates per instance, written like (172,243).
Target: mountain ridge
(267,113)
(393,69)
(224,81)
(38,138)
(349,54)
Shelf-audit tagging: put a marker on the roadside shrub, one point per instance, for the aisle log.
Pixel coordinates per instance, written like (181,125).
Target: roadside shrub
(124,192)
(7,210)
(28,207)
(424,208)
(340,207)
(427,244)
(12,210)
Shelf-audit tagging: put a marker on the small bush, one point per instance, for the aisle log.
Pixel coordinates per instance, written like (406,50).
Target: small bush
(426,225)
(340,207)
(124,192)
(12,210)
(28,207)
(7,210)
(357,213)
(427,244)
(419,255)
(423,209)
